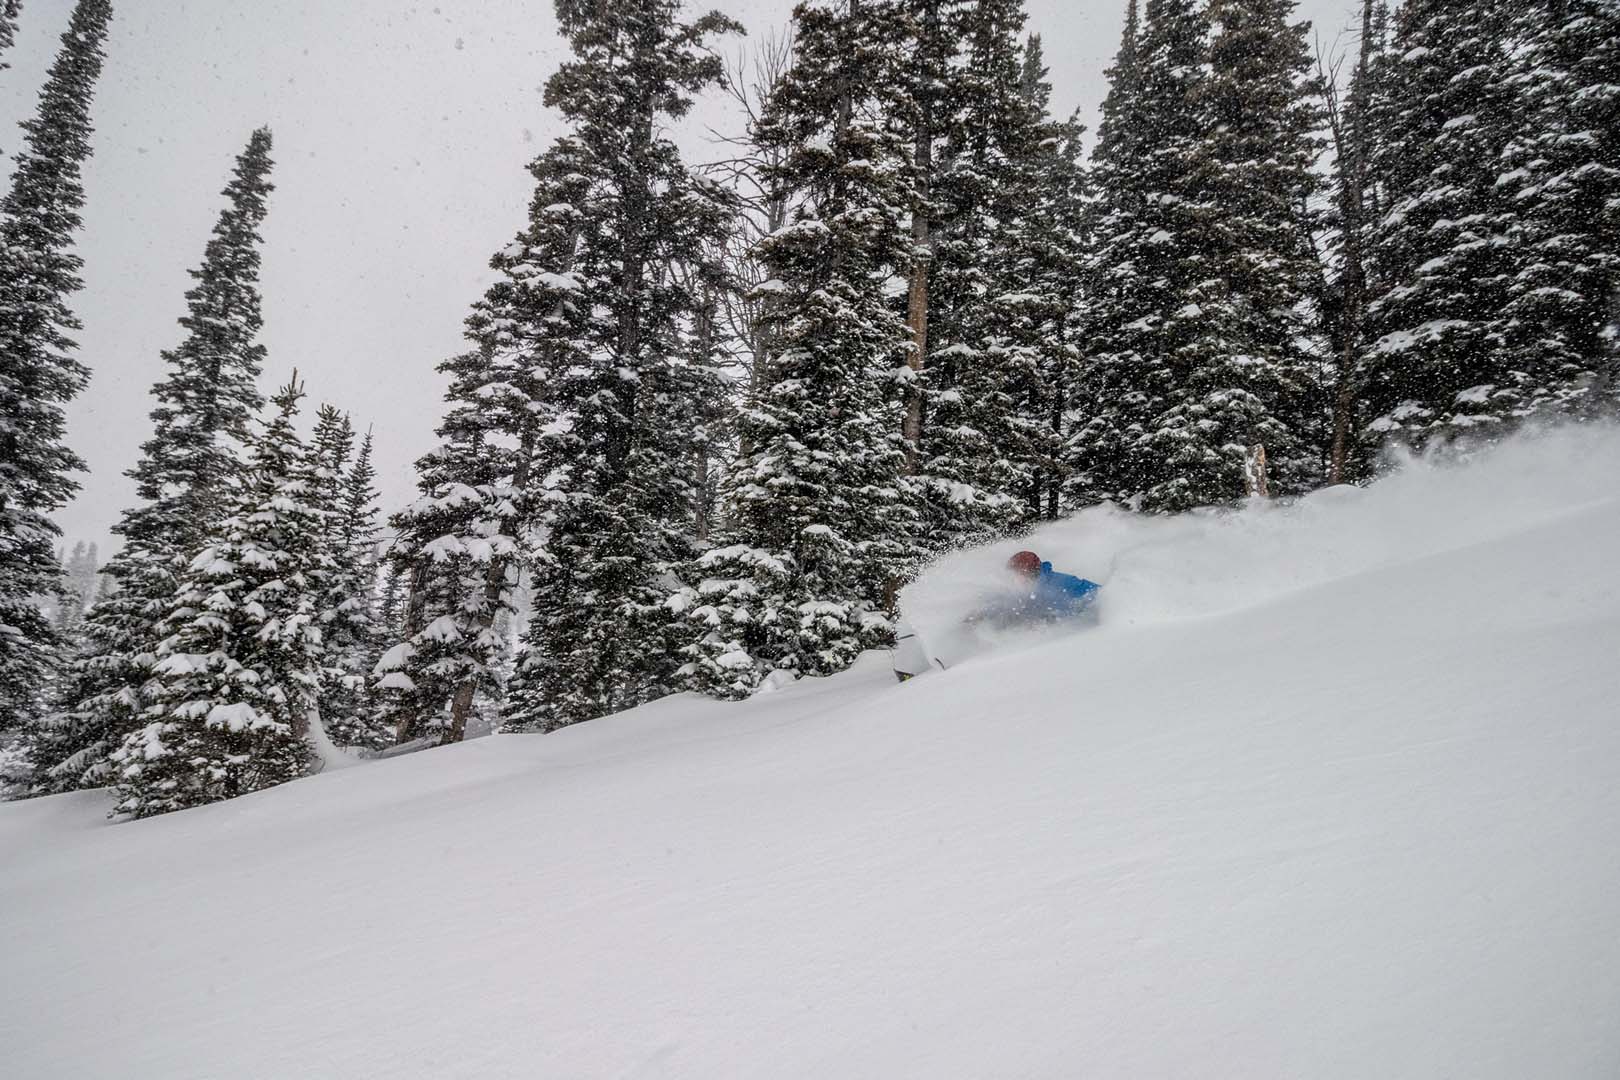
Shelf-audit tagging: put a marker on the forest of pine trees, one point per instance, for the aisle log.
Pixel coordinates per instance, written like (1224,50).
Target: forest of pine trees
(710,417)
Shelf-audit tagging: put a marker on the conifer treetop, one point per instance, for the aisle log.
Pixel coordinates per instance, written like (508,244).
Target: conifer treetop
(8,28)
(38,217)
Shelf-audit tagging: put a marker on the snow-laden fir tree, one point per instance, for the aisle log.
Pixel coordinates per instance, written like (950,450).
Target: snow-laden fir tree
(1041,298)
(206,401)
(78,589)
(1144,322)
(236,703)
(360,630)
(391,598)
(1244,377)
(817,532)
(624,444)
(923,106)
(9,11)
(979,182)
(458,546)
(1006,285)
(1564,181)
(1201,261)
(1354,207)
(346,499)
(331,445)
(39,374)
(455,562)
(1441,256)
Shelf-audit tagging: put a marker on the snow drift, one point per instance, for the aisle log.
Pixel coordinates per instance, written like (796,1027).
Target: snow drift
(1331,792)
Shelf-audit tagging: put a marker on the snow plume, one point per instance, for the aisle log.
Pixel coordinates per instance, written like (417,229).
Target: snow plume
(1158,569)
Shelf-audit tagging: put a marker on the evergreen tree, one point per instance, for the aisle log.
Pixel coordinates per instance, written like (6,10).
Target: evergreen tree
(238,676)
(924,107)
(973,468)
(8,27)
(817,530)
(1042,298)
(390,606)
(77,592)
(1245,378)
(82,570)
(621,495)
(1008,281)
(349,618)
(458,546)
(1441,256)
(1202,264)
(1564,180)
(331,445)
(1144,326)
(39,375)
(206,401)
(1355,207)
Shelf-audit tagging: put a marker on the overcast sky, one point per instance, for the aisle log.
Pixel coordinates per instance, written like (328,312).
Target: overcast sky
(402,129)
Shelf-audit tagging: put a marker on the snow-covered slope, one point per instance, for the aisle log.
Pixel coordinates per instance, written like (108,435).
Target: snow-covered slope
(1333,791)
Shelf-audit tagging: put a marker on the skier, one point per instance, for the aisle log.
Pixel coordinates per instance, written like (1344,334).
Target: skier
(1043,595)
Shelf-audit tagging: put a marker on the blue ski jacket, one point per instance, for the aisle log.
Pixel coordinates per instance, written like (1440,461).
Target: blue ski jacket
(1057,596)
(1050,597)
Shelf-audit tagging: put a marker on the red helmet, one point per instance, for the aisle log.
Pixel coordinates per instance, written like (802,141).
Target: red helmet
(1025,562)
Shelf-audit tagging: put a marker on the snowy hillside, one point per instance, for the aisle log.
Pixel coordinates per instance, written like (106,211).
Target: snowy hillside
(1332,791)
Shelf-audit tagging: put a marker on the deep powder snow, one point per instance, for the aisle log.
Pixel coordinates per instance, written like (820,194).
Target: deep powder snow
(1331,791)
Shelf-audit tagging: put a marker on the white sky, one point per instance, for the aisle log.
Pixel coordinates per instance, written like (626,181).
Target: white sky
(402,129)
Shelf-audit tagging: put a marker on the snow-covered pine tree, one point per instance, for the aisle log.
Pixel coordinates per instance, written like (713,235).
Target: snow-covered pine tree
(1564,181)
(457,546)
(1354,207)
(1441,255)
(331,444)
(925,107)
(235,705)
(1042,297)
(817,531)
(1151,226)
(1006,274)
(460,548)
(967,481)
(83,567)
(206,402)
(346,498)
(1242,374)
(363,638)
(78,590)
(391,600)
(9,11)
(1202,262)
(619,502)
(39,375)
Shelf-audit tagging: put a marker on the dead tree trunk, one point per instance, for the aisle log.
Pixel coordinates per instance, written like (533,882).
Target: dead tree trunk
(1255,478)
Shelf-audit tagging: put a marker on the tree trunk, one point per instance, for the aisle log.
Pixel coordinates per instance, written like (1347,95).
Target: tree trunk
(1353,153)
(1254,473)
(460,709)
(917,297)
